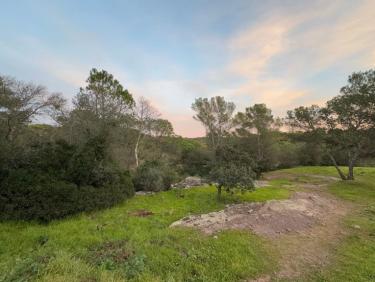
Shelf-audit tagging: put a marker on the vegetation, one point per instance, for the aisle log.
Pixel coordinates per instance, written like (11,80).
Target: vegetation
(117,245)
(346,125)
(57,178)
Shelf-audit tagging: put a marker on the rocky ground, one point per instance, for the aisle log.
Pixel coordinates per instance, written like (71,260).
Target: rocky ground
(302,228)
(271,219)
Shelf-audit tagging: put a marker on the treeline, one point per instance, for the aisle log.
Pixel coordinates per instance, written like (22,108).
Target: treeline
(340,133)
(83,162)
(107,145)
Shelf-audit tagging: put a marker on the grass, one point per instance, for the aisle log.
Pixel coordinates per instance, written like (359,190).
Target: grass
(62,250)
(114,245)
(354,257)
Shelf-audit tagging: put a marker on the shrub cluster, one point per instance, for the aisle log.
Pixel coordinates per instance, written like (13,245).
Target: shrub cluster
(154,176)
(57,179)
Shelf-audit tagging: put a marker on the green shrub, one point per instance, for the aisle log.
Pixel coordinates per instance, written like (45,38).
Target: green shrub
(154,176)
(48,184)
(196,161)
(39,197)
(233,176)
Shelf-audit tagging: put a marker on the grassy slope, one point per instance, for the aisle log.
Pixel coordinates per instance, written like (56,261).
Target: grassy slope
(354,258)
(59,251)
(163,254)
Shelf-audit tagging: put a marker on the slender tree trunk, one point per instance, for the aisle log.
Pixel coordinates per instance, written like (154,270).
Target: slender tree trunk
(260,157)
(343,177)
(9,133)
(212,139)
(219,192)
(136,150)
(351,171)
(351,162)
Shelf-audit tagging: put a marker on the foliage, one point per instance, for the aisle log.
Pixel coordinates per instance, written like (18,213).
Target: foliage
(257,117)
(154,176)
(27,269)
(21,102)
(161,128)
(233,177)
(104,96)
(57,179)
(196,161)
(216,116)
(232,169)
(346,124)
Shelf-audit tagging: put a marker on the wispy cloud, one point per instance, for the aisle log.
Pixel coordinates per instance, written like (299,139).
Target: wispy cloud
(306,43)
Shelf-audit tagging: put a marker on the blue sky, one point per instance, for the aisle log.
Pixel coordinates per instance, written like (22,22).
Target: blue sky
(282,53)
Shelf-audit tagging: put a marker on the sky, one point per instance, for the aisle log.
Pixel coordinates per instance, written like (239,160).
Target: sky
(281,53)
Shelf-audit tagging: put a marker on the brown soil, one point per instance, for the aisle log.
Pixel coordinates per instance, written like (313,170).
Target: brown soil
(141,213)
(303,229)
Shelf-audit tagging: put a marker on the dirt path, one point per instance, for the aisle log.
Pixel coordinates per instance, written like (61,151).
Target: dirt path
(304,228)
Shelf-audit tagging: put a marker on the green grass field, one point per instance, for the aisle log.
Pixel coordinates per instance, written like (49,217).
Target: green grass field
(116,245)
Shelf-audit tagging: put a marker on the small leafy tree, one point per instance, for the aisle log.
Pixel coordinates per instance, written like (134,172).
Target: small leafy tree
(232,176)
(232,169)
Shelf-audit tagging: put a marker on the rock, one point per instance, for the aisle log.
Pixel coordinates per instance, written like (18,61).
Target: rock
(261,183)
(143,193)
(190,181)
(356,226)
(215,237)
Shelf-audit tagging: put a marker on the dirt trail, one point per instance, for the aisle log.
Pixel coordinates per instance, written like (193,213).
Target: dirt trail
(303,228)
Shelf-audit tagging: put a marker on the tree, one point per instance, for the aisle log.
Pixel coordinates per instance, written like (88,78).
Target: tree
(232,169)
(144,117)
(21,102)
(257,119)
(104,96)
(305,118)
(216,115)
(350,117)
(161,128)
(310,121)
(346,123)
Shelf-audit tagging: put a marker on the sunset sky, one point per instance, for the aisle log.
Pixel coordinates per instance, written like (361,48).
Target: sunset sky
(282,53)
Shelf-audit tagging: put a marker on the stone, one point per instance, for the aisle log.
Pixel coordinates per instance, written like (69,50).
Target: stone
(190,181)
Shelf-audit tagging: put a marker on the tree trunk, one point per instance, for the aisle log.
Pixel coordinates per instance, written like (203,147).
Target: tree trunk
(343,177)
(136,151)
(9,133)
(351,171)
(258,145)
(219,192)
(351,162)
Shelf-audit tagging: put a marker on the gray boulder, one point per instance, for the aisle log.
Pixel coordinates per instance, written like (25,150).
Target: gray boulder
(190,181)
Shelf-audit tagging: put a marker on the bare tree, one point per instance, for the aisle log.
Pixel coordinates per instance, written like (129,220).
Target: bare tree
(144,116)
(21,102)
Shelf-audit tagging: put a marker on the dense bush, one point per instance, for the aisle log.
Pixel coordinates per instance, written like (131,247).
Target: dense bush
(154,176)
(233,176)
(196,161)
(40,197)
(56,179)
